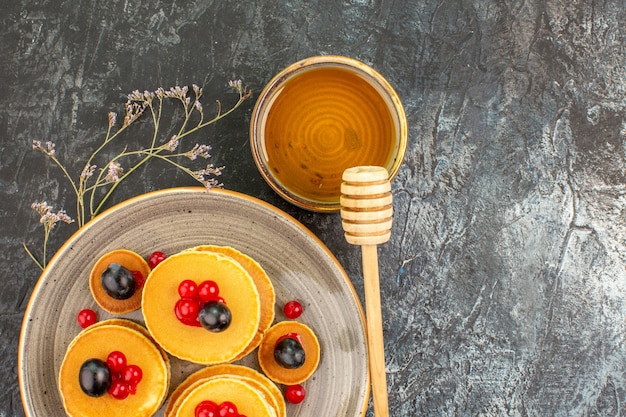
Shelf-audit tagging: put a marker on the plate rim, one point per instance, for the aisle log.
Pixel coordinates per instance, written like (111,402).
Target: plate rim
(37,288)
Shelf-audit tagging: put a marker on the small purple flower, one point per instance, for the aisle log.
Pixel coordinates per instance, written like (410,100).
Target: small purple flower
(135,96)
(88,171)
(48,149)
(50,146)
(172,144)
(114,172)
(112,119)
(201,151)
(148,96)
(41,207)
(133,111)
(48,218)
(205,176)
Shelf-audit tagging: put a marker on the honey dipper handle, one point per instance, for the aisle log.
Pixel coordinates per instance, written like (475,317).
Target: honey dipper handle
(376,346)
(366,213)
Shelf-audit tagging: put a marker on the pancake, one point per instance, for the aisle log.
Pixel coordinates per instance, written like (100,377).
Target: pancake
(263,284)
(271,393)
(273,369)
(97,342)
(193,343)
(129,260)
(249,401)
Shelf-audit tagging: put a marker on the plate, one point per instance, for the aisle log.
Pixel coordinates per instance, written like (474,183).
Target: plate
(298,263)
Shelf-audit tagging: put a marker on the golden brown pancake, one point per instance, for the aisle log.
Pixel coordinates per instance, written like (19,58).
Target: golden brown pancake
(263,284)
(98,341)
(129,260)
(248,400)
(192,343)
(273,369)
(272,394)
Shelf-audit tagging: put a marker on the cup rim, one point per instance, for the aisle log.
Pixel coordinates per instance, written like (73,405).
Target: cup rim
(268,95)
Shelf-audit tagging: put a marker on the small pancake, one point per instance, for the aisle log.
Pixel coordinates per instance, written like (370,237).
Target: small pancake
(248,400)
(129,260)
(311,347)
(97,342)
(272,394)
(263,284)
(192,343)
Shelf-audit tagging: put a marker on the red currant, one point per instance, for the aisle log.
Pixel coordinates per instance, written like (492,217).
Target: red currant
(139,279)
(187,310)
(119,390)
(295,394)
(86,318)
(206,409)
(132,374)
(187,289)
(228,409)
(208,291)
(156,258)
(116,361)
(290,335)
(292,309)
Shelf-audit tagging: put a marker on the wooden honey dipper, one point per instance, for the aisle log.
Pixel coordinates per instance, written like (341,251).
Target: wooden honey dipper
(366,214)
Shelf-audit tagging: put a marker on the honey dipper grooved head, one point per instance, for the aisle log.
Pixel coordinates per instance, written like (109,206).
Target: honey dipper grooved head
(366,205)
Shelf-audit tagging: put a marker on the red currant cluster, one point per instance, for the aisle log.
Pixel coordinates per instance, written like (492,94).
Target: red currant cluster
(124,377)
(211,409)
(192,297)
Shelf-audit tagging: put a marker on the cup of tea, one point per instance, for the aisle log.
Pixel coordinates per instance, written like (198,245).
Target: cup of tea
(320,116)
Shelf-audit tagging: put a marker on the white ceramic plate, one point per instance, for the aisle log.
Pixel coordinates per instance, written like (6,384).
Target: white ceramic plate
(298,263)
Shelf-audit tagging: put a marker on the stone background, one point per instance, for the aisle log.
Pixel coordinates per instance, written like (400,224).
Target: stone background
(504,281)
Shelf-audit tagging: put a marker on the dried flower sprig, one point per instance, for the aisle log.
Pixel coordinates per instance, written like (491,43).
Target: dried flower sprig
(94,185)
(48,219)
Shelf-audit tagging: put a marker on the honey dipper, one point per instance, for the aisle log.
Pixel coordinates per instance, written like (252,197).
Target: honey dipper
(366,214)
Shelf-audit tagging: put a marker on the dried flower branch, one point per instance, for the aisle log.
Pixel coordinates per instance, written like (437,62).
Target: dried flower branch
(94,185)
(48,219)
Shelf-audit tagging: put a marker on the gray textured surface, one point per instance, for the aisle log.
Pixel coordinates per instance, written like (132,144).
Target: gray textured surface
(504,281)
